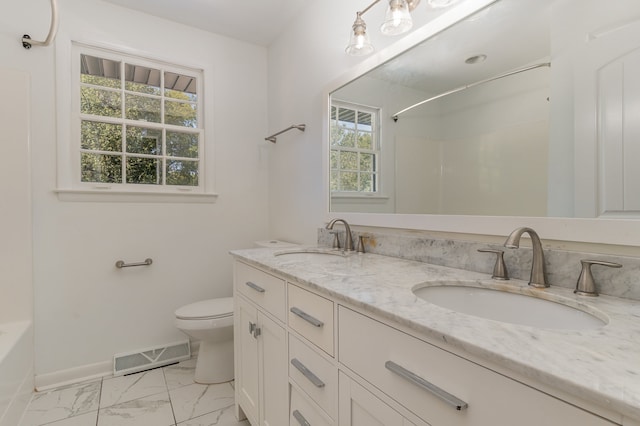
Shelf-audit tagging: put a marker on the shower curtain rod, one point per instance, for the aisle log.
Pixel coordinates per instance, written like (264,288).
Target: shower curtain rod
(27,41)
(468,86)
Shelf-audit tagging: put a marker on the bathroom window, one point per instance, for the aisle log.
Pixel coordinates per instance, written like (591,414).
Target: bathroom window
(138,123)
(355,151)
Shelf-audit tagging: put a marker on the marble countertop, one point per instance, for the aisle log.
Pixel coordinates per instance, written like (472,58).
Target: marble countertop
(599,365)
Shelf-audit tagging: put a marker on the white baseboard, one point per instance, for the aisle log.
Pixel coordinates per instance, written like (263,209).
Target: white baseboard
(73,375)
(84,373)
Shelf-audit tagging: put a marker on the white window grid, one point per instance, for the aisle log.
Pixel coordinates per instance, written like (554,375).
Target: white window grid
(375,146)
(163,157)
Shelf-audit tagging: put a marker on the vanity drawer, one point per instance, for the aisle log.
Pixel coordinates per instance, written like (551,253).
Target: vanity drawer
(303,413)
(316,376)
(403,367)
(265,290)
(311,316)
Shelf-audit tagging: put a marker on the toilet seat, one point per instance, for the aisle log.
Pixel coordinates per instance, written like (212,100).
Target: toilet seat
(206,309)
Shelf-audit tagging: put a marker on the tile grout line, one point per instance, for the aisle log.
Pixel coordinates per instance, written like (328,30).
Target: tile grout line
(99,401)
(173,413)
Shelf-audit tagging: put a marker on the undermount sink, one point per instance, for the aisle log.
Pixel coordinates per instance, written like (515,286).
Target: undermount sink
(509,307)
(313,252)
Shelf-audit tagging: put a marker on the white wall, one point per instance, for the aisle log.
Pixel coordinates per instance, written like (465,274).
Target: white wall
(16,288)
(303,62)
(86,310)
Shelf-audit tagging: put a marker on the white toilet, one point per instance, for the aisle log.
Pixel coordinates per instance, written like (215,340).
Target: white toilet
(210,322)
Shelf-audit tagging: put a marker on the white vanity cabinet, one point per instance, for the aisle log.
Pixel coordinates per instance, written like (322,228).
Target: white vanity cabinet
(260,341)
(441,388)
(304,358)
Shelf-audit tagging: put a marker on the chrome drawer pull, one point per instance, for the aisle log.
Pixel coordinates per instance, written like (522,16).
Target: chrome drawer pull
(307,373)
(256,287)
(300,418)
(308,318)
(456,403)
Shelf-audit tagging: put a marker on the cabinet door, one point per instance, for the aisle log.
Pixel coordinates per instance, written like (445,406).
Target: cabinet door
(247,386)
(305,413)
(359,407)
(273,359)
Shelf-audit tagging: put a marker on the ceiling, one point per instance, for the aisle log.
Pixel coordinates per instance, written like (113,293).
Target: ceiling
(254,21)
(511,34)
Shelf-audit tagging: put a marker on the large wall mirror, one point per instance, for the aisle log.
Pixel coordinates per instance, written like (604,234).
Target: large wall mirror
(525,109)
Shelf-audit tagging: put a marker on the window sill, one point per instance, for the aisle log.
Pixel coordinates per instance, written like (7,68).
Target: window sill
(358,196)
(100,195)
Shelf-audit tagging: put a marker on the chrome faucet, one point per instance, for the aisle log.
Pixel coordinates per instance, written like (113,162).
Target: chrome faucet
(348,240)
(538,274)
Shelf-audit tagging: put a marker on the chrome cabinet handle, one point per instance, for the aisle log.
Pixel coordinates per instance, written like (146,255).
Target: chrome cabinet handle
(456,403)
(308,318)
(307,373)
(300,418)
(254,286)
(254,329)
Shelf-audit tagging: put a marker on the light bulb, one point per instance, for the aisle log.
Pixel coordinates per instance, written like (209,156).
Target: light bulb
(398,19)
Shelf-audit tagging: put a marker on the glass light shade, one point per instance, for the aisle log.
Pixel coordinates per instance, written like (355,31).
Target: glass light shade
(359,42)
(412,4)
(398,19)
(440,3)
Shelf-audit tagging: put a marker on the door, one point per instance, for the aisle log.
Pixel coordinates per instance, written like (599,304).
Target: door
(607,99)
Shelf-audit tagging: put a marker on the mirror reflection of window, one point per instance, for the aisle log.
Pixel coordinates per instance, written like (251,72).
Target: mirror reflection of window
(355,148)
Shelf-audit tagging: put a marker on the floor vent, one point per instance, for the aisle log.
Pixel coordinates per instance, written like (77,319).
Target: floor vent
(145,359)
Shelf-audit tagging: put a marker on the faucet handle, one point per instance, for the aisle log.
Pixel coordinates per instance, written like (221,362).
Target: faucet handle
(361,239)
(500,268)
(586,286)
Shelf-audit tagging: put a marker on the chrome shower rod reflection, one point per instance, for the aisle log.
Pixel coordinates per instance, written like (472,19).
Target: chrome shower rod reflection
(27,41)
(120,263)
(468,86)
(272,138)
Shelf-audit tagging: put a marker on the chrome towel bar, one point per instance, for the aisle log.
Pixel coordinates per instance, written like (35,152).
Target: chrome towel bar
(120,263)
(27,42)
(272,138)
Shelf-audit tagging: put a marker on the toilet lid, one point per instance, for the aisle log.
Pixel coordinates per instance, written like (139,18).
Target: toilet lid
(211,308)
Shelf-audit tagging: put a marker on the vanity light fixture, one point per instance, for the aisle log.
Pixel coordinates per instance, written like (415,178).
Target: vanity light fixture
(397,21)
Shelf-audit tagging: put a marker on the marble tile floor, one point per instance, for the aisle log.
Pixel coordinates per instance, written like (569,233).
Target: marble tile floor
(162,397)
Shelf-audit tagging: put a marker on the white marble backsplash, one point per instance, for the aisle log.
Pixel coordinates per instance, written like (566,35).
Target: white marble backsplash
(563,267)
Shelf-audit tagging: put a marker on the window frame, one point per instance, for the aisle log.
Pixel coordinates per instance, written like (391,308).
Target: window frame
(376,151)
(70,184)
